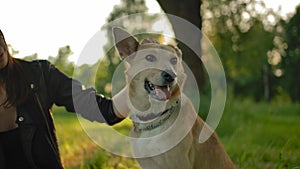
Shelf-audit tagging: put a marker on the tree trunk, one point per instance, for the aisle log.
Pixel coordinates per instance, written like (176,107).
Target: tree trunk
(190,11)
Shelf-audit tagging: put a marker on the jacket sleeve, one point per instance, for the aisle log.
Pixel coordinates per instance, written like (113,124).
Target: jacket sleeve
(68,92)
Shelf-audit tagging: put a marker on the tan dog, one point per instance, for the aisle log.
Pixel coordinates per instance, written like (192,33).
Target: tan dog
(166,126)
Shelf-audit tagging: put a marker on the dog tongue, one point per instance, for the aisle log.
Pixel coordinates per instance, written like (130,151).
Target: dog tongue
(163,93)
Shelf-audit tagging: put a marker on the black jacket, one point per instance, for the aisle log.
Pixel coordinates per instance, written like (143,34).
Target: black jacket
(50,86)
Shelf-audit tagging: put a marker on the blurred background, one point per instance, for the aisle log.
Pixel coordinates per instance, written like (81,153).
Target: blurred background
(258,43)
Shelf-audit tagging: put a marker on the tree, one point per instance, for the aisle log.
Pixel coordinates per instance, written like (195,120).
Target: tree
(61,60)
(243,38)
(31,57)
(190,11)
(252,71)
(291,60)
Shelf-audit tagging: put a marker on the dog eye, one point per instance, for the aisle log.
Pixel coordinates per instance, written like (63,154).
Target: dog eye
(150,58)
(173,61)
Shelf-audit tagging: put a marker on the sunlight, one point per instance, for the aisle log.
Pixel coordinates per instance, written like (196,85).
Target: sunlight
(153,6)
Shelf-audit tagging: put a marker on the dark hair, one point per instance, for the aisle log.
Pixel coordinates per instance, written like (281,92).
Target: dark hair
(12,75)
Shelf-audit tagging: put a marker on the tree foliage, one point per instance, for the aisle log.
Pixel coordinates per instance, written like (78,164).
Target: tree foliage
(243,34)
(291,59)
(61,61)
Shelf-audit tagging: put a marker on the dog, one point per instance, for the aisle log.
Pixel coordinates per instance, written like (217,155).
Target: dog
(166,126)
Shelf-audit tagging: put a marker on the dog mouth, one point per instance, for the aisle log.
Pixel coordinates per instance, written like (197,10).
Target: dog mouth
(158,92)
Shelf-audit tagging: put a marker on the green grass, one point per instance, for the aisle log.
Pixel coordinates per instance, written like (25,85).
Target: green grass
(261,135)
(78,151)
(255,135)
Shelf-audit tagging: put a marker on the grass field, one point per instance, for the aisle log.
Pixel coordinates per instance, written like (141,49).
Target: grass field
(255,135)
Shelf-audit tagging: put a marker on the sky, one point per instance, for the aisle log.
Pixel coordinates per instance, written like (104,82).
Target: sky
(43,26)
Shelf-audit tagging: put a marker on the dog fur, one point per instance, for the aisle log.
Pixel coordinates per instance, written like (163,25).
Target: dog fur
(165,122)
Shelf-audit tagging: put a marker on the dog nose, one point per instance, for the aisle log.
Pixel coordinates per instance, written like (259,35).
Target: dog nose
(168,75)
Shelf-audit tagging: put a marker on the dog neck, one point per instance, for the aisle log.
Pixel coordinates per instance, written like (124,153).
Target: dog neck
(158,121)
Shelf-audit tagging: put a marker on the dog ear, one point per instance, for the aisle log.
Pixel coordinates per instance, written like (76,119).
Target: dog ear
(126,44)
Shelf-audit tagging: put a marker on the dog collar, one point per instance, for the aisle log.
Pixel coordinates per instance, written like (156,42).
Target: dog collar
(138,127)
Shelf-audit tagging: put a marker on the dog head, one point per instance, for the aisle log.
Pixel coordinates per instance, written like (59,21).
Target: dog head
(154,73)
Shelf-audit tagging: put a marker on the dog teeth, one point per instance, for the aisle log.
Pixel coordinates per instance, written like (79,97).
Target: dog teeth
(151,85)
